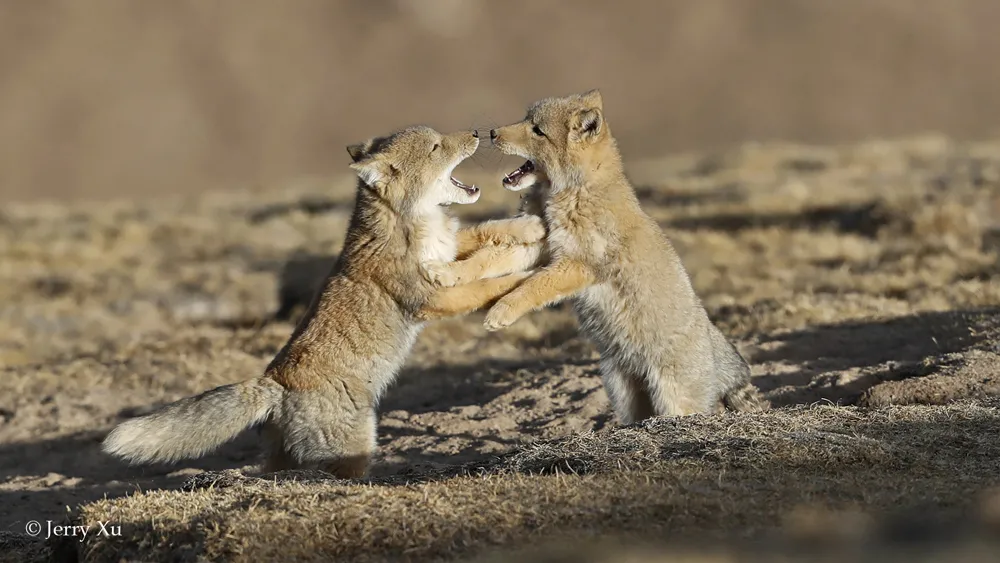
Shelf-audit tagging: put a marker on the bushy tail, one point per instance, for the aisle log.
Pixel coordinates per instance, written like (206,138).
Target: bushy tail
(194,426)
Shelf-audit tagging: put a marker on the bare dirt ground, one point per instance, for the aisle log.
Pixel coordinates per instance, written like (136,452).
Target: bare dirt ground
(863,283)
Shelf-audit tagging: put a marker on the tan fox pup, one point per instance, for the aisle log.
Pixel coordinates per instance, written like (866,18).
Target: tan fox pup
(317,399)
(660,353)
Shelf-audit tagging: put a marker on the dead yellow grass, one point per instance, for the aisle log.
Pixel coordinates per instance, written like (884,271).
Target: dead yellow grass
(697,479)
(862,282)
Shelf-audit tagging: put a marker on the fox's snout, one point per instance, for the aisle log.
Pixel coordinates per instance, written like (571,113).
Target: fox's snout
(466,142)
(495,139)
(508,140)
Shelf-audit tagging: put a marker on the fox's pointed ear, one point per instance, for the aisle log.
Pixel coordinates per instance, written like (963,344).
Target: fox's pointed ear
(586,124)
(368,168)
(593,99)
(359,151)
(372,172)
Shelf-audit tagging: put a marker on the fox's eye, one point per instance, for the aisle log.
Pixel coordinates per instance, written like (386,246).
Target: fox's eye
(537,131)
(436,147)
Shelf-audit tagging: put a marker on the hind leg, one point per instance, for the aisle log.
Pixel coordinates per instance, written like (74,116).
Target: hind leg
(694,394)
(639,392)
(330,432)
(277,458)
(355,455)
(348,454)
(628,395)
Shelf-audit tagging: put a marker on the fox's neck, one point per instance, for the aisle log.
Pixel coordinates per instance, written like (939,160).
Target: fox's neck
(431,235)
(372,225)
(602,167)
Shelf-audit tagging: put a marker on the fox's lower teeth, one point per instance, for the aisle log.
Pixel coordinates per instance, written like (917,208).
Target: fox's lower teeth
(460,184)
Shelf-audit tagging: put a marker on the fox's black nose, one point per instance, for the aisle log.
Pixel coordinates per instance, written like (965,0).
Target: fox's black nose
(475,133)
(493,134)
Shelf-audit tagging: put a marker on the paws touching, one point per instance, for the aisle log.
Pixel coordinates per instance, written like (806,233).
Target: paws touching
(534,229)
(522,230)
(440,273)
(499,316)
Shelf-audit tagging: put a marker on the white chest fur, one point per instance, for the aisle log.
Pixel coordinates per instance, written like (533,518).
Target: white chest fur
(438,242)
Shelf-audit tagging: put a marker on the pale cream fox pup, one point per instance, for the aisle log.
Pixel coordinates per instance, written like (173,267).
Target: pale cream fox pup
(317,399)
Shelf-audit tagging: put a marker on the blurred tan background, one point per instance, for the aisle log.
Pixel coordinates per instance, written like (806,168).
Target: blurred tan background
(104,98)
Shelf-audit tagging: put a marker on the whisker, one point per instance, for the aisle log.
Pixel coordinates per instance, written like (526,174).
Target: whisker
(490,163)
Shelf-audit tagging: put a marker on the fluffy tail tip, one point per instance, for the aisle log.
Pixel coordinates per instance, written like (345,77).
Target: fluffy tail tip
(133,442)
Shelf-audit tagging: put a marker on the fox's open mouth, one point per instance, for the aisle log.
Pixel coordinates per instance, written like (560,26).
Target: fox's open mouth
(514,177)
(471,190)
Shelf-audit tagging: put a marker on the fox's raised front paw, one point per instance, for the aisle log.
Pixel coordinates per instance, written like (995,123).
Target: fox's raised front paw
(499,316)
(533,230)
(440,274)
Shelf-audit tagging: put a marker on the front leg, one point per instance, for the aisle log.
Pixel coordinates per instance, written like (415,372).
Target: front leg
(464,299)
(488,262)
(562,279)
(526,229)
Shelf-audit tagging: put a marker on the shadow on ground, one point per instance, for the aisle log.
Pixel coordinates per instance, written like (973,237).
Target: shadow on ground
(300,279)
(844,362)
(657,196)
(80,473)
(865,220)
